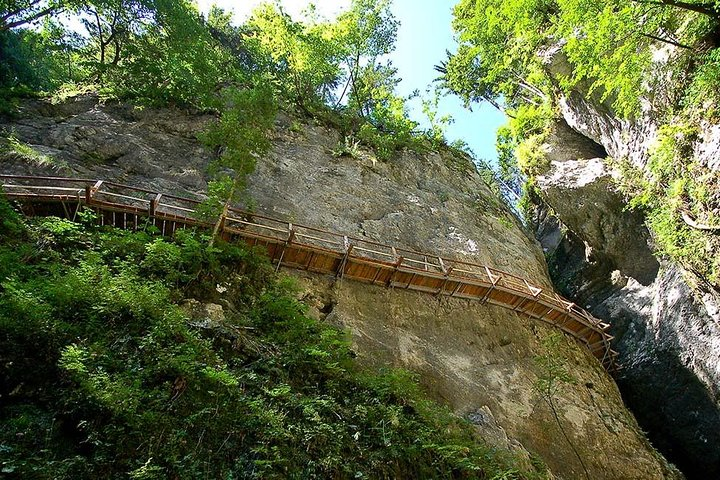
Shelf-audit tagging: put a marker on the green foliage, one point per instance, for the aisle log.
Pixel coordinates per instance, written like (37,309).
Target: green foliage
(27,153)
(553,376)
(41,59)
(242,135)
(365,33)
(520,143)
(704,90)
(349,147)
(174,60)
(438,123)
(610,47)
(531,155)
(674,188)
(305,54)
(105,376)
(162,52)
(11,225)
(498,44)
(553,368)
(241,132)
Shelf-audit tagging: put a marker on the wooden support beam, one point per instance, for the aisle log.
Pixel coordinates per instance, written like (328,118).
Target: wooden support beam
(310,260)
(585,331)
(377,274)
(396,266)
(448,272)
(90,191)
(485,297)
(520,304)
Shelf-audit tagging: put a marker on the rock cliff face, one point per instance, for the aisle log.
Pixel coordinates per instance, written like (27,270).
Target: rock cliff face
(478,359)
(665,320)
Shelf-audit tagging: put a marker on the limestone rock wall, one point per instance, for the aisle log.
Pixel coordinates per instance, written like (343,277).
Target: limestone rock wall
(478,359)
(665,319)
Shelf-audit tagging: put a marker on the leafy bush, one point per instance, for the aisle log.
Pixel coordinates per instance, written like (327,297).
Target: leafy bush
(105,376)
(704,90)
(531,155)
(676,187)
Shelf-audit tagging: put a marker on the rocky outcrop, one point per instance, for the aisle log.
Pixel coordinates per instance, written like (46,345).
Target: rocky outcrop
(478,359)
(593,118)
(581,193)
(665,321)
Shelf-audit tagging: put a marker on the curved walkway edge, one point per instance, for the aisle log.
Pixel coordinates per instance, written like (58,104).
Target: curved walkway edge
(314,249)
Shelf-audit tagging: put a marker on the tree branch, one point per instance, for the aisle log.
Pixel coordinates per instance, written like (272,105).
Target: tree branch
(708,9)
(19,10)
(667,40)
(698,226)
(32,18)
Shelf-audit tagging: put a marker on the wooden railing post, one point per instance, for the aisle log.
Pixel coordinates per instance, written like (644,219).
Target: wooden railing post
(398,262)
(90,191)
(348,247)
(154,203)
(447,271)
(288,241)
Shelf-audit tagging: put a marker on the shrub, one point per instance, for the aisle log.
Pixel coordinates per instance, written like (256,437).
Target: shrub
(106,377)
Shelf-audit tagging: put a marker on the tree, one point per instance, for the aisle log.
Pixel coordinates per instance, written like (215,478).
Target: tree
(497,58)
(365,33)
(304,54)
(170,57)
(241,136)
(553,375)
(110,27)
(39,59)
(609,44)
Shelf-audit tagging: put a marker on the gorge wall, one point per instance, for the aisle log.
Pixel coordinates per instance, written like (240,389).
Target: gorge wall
(480,360)
(666,319)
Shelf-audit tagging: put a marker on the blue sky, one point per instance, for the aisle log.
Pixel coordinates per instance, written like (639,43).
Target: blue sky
(425,33)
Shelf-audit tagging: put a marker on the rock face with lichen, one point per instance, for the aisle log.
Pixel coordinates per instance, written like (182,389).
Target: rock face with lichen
(478,359)
(666,320)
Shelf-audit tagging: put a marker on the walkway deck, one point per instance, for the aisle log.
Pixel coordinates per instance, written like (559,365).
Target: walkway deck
(314,250)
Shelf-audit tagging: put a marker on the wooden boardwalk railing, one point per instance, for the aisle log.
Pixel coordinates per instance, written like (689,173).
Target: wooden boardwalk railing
(314,249)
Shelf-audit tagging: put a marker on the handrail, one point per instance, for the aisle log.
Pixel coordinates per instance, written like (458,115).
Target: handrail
(399,259)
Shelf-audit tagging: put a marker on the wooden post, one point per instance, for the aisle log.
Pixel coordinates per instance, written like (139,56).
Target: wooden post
(520,304)
(397,266)
(494,281)
(535,291)
(442,265)
(154,203)
(377,274)
(348,247)
(447,272)
(90,191)
(291,237)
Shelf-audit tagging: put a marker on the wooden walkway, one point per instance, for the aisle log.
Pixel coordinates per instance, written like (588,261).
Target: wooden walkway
(315,250)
